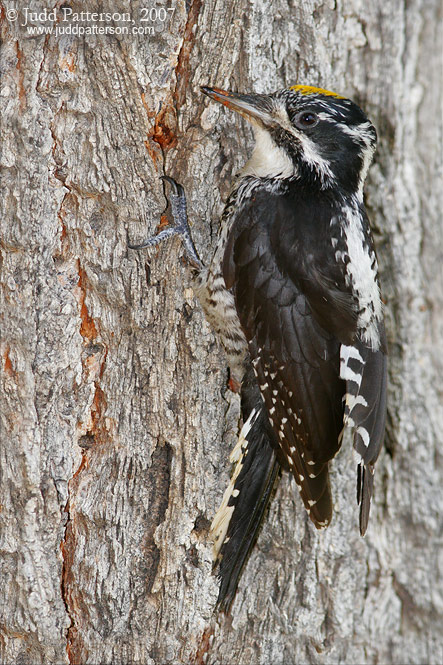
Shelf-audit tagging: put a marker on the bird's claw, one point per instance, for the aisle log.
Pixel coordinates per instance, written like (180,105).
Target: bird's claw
(177,189)
(179,227)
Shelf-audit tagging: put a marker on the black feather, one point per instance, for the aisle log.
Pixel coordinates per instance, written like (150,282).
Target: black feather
(280,290)
(255,484)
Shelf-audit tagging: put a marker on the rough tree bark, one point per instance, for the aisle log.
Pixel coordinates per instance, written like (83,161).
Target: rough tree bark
(116,419)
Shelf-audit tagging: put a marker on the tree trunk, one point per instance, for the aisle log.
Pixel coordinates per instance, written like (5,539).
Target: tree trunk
(116,418)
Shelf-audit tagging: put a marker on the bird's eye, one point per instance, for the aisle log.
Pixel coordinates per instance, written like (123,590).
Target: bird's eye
(306,119)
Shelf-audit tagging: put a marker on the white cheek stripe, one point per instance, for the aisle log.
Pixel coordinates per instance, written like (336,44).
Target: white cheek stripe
(310,151)
(314,159)
(267,159)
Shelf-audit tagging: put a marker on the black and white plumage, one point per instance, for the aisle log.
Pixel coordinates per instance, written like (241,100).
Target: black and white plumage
(293,293)
(296,266)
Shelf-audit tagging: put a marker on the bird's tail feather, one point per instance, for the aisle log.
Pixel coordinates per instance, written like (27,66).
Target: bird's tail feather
(237,523)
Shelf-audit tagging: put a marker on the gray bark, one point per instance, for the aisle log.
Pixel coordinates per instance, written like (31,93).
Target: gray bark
(116,419)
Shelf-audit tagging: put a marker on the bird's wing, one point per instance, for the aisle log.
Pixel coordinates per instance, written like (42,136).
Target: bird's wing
(296,359)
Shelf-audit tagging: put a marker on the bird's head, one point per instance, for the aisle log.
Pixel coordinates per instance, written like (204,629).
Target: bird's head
(307,133)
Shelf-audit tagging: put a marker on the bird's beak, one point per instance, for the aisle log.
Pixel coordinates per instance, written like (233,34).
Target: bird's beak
(252,107)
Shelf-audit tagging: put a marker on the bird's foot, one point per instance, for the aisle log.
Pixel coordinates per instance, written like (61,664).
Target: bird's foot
(179,227)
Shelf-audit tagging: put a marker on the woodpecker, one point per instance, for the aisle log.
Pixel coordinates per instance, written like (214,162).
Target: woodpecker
(293,293)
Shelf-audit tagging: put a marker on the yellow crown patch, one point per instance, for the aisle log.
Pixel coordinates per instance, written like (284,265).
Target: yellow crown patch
(310,90)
